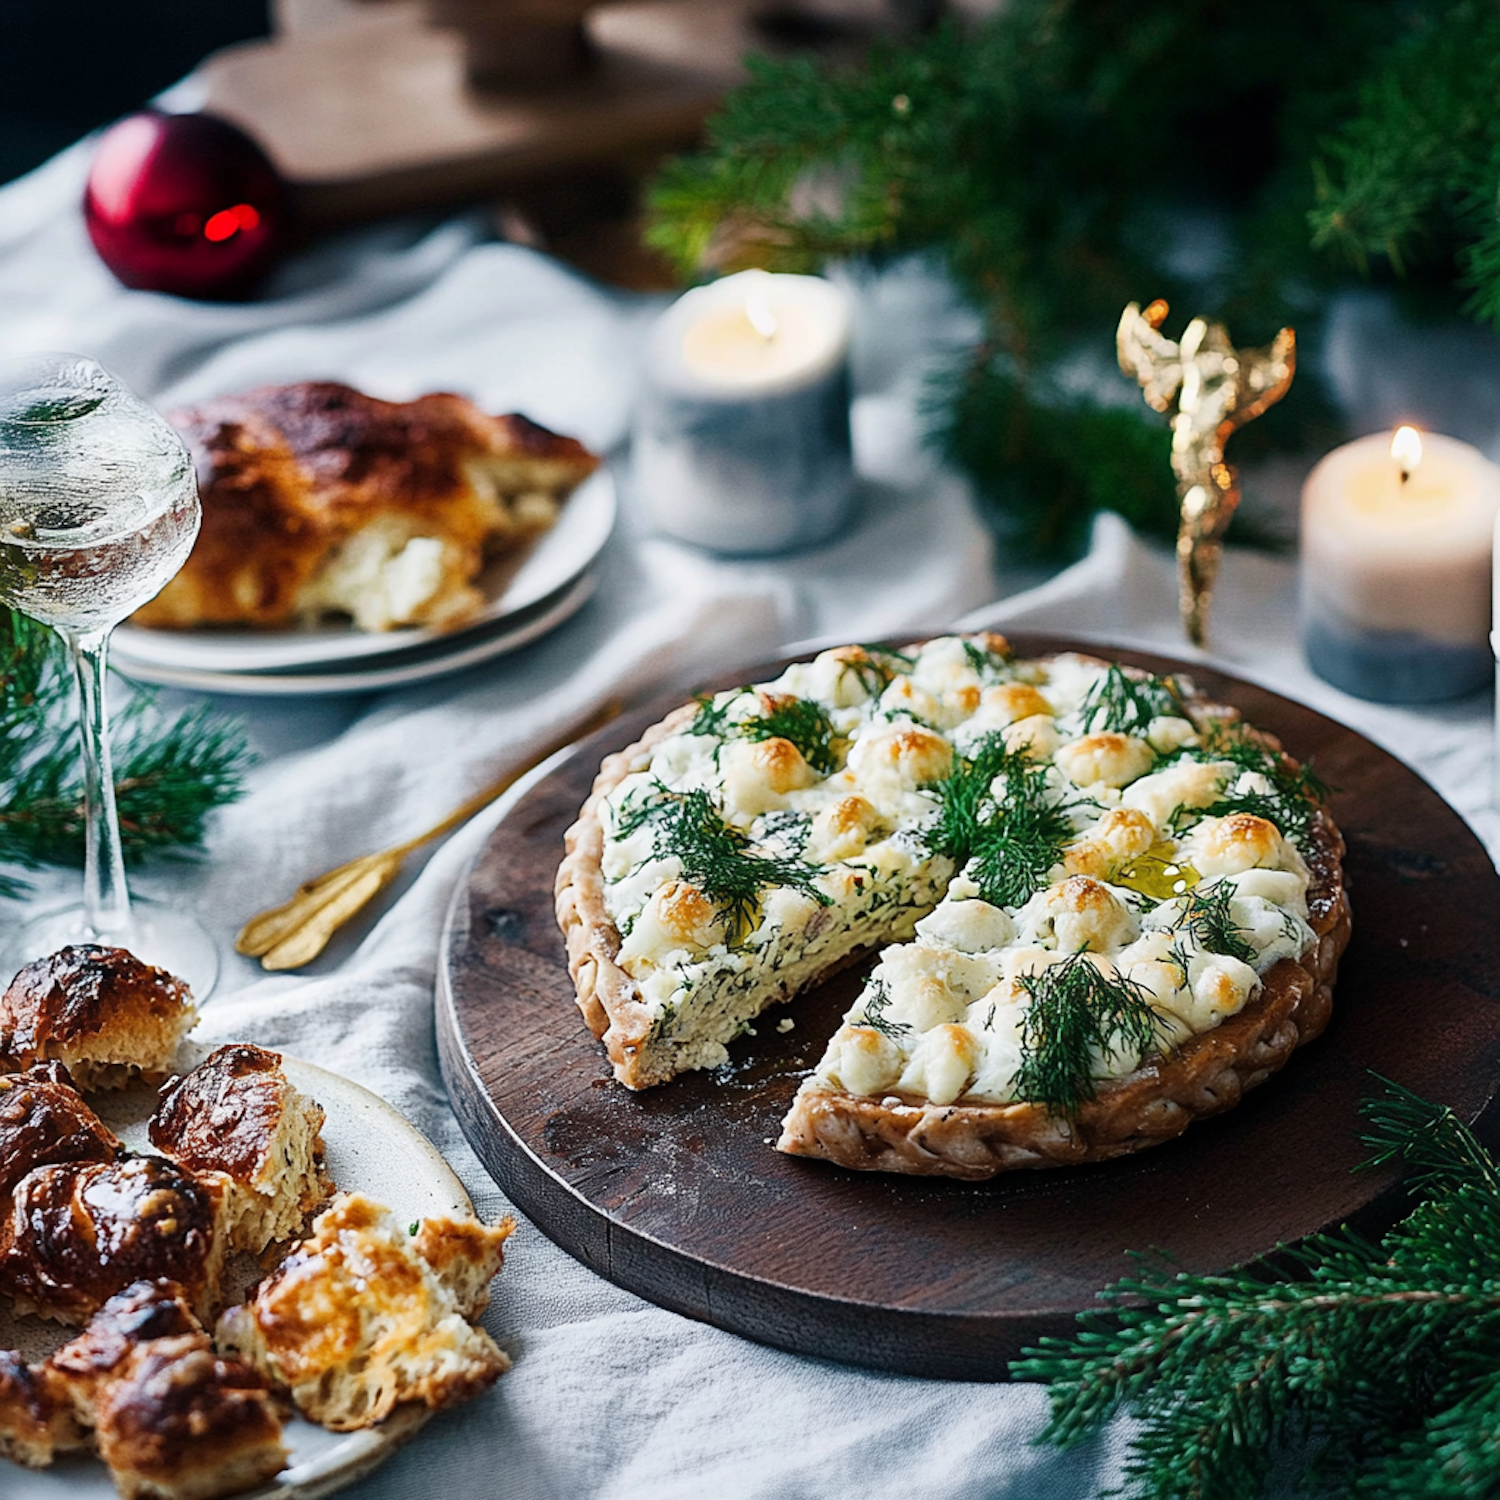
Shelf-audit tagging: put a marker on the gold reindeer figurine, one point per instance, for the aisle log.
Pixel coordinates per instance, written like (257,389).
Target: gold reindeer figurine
(1216,389)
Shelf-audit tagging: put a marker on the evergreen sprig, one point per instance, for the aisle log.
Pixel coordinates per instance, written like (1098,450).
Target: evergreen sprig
(170,773)
(1374,1369)
(1066,156)
(1077,1015)
(714,855)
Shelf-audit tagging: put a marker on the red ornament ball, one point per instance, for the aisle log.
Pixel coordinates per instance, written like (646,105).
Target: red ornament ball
(187,204)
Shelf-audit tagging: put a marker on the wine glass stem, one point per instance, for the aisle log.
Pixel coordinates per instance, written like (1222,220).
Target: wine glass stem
(106,899)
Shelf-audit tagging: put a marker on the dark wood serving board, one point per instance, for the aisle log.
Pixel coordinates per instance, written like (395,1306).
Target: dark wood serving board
(676,1194)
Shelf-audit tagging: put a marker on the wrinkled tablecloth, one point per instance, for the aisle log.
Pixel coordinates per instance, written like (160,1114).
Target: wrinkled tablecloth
(611,1396)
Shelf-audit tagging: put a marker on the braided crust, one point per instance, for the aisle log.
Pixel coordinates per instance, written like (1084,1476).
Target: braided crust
(1205,1076)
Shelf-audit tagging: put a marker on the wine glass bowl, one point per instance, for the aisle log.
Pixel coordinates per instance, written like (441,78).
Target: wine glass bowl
(98,504)
(98,510)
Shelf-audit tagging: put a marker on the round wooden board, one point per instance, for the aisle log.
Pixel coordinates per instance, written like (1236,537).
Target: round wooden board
(676,1193)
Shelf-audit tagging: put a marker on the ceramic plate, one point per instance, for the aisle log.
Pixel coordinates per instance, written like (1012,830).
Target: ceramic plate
(372,1149)
(514,586)
(436,657)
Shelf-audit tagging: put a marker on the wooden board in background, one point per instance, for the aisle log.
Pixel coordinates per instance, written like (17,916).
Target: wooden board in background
(676,1194)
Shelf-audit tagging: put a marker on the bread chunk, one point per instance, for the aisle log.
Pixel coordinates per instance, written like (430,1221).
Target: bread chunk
(183,1423)
(237,1114)
(44,1121)
(101,1012)
(355,1320)
(319,500)
(78,1233)
(36,1419)
(170,1418)
(144,1310)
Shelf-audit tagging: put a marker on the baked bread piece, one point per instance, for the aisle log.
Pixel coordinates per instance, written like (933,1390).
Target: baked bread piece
(101,1012)
(152,1308)
(355,1321)
(36,1418)
(990,818)
(183,1423)
(319,500)
(237,1114)
(44,1121)
(168,1416)
(78,1233)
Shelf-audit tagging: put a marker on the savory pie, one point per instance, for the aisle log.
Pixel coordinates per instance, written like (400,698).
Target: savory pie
(1106,906)
(320,500)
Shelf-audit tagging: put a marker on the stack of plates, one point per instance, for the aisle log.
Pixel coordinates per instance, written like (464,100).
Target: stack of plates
(527,597)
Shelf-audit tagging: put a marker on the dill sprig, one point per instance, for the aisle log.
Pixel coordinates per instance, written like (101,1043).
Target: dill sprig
(1126,704)
(1372,1369)
(802,721)
(1296,794)
(1008,841)
(877,1001)
(983,660)
(1208,917)
(878,668)
(1077,1013)
(170,773)
(715,856)
(712,719)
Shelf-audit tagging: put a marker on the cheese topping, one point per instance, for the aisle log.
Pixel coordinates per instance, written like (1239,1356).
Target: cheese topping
(984,821)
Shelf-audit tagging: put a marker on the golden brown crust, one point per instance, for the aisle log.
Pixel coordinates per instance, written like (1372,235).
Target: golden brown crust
(44,1121)
(465,1255)
(287,473)
(221,1117)
(237,1113)
(354,1321)
(100,1011)
(1207,1074)
(167,1415)
(36,1419)
(78,1233)
(183,1423)
(149,1309)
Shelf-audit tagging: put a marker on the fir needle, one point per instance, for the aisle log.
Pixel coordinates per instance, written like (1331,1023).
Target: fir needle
(296,932)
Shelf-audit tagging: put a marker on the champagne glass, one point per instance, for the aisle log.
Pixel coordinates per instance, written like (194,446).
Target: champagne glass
(98,509)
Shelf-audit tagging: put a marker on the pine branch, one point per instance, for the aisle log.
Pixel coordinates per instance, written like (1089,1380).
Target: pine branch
(1043,160)
(170,773)
(1377,1367)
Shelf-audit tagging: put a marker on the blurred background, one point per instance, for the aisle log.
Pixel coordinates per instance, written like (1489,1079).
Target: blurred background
(71,65)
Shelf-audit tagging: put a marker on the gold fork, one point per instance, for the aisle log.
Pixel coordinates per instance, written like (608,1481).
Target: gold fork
(295,933)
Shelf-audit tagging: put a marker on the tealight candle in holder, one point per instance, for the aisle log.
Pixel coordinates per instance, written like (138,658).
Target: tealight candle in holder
(1397,537)
(742,430)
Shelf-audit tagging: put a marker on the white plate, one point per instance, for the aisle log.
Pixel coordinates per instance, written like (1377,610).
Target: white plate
(439,656)
(372,1149)
(513,586)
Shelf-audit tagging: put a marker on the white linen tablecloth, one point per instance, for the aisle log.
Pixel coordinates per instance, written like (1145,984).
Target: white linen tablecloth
(610,1396)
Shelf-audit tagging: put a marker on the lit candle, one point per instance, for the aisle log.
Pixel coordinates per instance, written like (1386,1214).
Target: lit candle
(1397,541)
(742,431)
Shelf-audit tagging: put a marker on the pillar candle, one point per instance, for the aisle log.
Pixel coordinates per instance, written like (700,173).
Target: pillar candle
(1397,540)
(742,429)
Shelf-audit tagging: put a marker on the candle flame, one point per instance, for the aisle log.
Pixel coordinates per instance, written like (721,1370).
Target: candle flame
(1406,450)
(758,307)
